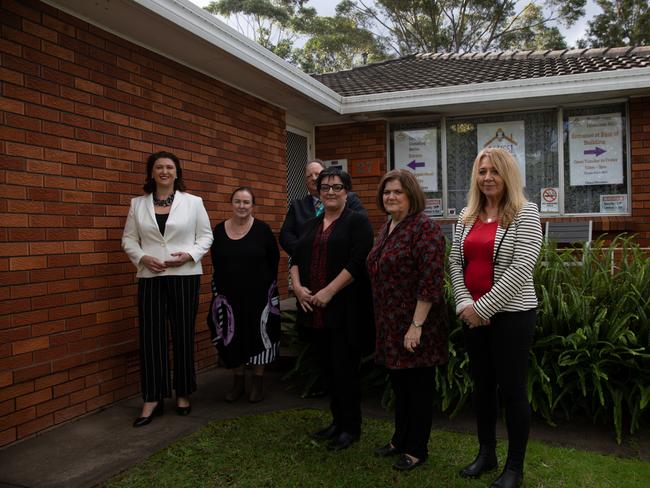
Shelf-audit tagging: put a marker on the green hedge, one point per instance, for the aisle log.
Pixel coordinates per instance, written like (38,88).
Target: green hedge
(591,354)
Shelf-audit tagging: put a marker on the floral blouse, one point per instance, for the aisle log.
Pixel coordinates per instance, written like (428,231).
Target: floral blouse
(404,267)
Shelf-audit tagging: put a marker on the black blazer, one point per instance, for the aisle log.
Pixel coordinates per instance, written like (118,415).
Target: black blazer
(302,210)
(347,248)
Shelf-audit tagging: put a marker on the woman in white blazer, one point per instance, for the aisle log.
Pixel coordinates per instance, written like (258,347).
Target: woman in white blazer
(496,245)
(167,232)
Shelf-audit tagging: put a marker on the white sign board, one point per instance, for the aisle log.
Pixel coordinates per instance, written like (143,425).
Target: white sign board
(613,204)
(433,207)
(549,200)
(596,150)
(337,163)
(417,151)
(505,135)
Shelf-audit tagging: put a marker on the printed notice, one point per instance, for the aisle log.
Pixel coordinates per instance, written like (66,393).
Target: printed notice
(505,135)
(596,150)
(433,207)
(417,150)
(613,204)
(549,200)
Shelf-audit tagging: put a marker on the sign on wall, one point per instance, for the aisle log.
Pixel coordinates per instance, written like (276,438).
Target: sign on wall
(342,164)
(505,135)
(596,150)
(417,151)
(549,200)
(613,204)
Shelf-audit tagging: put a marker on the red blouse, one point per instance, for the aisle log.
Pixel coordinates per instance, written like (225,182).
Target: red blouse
(479,250)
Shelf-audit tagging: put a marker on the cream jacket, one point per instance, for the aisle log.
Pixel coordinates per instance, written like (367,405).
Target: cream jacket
(187,230)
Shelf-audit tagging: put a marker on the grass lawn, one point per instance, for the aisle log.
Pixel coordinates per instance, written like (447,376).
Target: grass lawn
(274,450)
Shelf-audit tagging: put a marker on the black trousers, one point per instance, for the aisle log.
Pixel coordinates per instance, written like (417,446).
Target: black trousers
(498,355)
(163,300)
(414,389)
(340,362)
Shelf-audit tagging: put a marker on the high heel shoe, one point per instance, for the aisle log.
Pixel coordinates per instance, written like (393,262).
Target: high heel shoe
(183,411)
(237,389)
(485,461)
(157,412)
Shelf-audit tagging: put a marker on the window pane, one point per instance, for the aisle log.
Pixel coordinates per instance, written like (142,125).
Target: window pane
(595,150)
(540,148)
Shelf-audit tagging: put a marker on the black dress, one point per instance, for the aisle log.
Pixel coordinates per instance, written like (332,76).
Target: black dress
(244,316)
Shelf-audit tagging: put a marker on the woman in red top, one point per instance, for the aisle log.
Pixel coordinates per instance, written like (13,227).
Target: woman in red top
(495,248)
(406,268)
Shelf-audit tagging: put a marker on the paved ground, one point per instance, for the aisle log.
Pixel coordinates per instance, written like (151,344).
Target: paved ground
(91,450)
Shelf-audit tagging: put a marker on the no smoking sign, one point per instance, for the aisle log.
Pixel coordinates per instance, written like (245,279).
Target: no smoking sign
(549,200)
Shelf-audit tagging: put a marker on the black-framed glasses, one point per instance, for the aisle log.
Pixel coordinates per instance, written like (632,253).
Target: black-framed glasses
(336,187)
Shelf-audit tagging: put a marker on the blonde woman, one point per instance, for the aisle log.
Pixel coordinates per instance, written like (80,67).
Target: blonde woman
(495,248)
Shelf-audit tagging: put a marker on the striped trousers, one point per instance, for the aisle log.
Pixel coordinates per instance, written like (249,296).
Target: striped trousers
(163,300)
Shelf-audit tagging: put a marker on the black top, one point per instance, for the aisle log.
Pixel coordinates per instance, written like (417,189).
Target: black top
(161,219)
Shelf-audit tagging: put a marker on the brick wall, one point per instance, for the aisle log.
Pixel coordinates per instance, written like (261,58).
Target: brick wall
(358,143)
(640,142)
(80,111)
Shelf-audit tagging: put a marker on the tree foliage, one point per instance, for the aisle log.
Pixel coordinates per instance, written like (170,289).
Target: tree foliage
(409,26)
(622,23)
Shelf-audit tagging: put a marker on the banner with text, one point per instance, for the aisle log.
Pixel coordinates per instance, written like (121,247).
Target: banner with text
(417,150)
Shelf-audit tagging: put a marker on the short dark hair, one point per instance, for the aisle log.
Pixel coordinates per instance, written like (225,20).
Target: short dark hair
(150,184)
(410,185)
(243,188)
(335,171)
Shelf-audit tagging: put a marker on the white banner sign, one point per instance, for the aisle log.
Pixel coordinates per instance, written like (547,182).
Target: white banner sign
(505,135)
(596,150)
(613,204)
(417,150)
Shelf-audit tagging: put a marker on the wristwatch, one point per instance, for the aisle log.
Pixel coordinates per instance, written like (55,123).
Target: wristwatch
(416,324)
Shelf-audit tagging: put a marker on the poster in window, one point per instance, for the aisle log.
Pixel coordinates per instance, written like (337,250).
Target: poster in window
(417,151)
(596,150)
(505,135)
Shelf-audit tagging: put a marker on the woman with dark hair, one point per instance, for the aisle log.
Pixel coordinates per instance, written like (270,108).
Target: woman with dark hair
(167,232)
(331,286)
(406,268)
(244,318)
(496,246)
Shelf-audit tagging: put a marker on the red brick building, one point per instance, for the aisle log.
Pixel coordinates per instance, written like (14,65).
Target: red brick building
(89,89)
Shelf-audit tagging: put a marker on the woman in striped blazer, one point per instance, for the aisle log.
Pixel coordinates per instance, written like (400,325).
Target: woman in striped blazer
(495,248)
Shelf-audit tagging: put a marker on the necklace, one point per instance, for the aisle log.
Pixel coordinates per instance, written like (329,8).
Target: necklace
(163,203)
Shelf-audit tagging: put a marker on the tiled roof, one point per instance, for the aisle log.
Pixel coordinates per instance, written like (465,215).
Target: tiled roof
(437,70)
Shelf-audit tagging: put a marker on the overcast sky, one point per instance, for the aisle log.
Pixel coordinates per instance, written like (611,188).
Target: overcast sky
(326,7)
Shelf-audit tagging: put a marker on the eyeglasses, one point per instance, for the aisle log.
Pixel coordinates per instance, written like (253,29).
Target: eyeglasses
(326,188)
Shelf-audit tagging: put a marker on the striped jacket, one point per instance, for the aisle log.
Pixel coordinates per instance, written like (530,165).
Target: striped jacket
(516,250)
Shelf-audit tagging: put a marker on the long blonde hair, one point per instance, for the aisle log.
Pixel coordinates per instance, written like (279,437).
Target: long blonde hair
(513,198)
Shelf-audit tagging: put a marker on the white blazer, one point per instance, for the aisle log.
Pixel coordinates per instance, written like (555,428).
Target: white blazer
(187,230)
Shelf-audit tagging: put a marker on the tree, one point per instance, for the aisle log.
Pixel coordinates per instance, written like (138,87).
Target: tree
(622,23)
(408,26)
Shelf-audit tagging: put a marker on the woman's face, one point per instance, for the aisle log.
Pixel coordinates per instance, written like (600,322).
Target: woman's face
(489,181)
(164,173)
(395,200)
(332,193)
(242,204)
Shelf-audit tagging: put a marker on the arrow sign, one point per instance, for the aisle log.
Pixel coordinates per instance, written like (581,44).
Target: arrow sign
(596,152)
(415,164)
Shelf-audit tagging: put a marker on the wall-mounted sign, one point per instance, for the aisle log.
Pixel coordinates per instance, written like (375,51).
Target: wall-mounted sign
(596,150)
(505,135)
(417,150)
(365,168)
(549,200)
(613,204)
(433,207)
(338,163)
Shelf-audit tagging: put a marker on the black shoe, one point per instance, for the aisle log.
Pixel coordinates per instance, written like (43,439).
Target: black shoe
(387,450)
(485,461)
(237,389)
(327,433)
(406,463)
(508,479)
(157,412)
(343,441)
(183,411)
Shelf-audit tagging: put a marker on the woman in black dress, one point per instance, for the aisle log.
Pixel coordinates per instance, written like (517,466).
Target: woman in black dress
(244,317)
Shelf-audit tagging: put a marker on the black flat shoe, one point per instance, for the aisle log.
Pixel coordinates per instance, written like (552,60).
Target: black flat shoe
(508,479)
(387,450)
(484,463)
(343,441)
(183,411)
(157,412)
(406,463)
(327,433)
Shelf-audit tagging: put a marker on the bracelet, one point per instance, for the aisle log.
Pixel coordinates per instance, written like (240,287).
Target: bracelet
(417,325)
